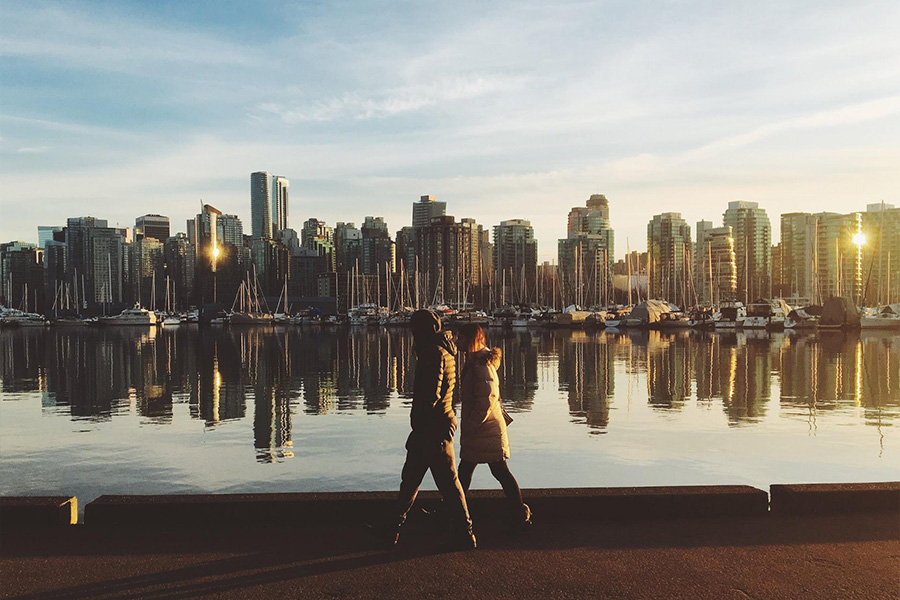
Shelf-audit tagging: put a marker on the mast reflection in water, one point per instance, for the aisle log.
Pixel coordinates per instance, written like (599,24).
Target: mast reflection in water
(330,408)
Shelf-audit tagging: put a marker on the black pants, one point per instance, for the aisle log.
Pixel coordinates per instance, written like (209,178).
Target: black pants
(501,473)
(424,453)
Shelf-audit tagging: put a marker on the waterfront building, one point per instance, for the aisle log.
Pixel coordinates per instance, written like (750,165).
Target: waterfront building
(715,267)
(585,255)
(229,230)
(752,234)
(669,252)
(280,186)
(179,257)
(107,275)
(820,257)
(378,250)
(48,233)
(442,257)
(426,209)
(22,276)
(347,246)
(515,260)
(77,255)
(261,204)
(318,236)
(214,264)
(152,226)
(881,254)
(476,263)
(148,272)
(406,250)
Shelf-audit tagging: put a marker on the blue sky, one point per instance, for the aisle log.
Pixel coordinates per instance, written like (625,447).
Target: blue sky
(504,110)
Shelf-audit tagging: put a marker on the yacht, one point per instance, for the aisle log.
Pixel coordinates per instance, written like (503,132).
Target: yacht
(131,316)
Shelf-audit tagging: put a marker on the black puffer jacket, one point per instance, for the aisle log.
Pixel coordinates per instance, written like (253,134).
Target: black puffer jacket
(432,410)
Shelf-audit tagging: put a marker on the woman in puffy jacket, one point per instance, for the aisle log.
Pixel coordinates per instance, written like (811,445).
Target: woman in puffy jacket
(483,437)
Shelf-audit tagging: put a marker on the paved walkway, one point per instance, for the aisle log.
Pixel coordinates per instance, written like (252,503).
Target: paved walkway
(769,557)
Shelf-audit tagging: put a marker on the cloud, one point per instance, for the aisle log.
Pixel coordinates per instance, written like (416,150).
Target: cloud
(409,98)
(33,149)
(845,115)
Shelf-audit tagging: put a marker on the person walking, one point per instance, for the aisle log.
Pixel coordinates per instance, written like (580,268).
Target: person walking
(433,421)
(484,437)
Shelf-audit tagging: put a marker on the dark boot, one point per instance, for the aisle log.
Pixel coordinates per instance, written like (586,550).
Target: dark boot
(461,539)
(389,530)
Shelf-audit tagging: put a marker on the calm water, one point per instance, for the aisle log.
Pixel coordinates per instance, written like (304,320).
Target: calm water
(130,410)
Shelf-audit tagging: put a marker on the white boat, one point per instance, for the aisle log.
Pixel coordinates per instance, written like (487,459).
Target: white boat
(131,316)
(887,318)
(730,315)
(171,320)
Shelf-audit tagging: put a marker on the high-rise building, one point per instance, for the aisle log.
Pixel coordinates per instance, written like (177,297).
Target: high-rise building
(153,226)
(476,262)
(318,236)
(378,251)
(179,259)
(22,276)
(585,255)
(881,254)
(669,250)
(752,233)
(77,257)
(406,250)
(46,233)
(839,257)
(280,186)
(148,272)
(798,242)
(347,246)
(515,260)
(261,204)
(426,209)
(820,257)
(443,261)
(230,230)
(715,269)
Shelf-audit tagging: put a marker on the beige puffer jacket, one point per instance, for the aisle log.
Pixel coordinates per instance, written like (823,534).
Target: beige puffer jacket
(483,436)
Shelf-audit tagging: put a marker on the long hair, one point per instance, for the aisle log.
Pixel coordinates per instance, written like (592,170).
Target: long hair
(473,335)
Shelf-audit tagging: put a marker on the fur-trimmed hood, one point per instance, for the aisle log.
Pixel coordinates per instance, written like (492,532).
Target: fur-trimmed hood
(487,356)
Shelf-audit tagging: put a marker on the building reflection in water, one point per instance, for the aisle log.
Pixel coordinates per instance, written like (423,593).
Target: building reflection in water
(585,375)
(98,373)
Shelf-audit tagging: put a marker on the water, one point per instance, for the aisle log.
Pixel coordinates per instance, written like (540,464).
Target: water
(89,411)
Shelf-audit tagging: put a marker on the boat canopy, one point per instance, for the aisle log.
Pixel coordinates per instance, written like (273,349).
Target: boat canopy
(839,311)
(891,310)
(650,311)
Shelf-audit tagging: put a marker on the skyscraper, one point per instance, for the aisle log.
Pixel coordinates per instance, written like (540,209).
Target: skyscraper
(426,209)
(881,254)
(752,233)
(669,249)
(378,252)
(261,204)
(442,256)
(715,270)
(280,186)
(585,255)
(515,260)
(154,226)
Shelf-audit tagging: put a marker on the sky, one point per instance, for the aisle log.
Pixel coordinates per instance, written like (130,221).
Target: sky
(502,109)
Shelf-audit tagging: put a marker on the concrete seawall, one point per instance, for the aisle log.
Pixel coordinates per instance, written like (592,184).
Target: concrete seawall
(579,504)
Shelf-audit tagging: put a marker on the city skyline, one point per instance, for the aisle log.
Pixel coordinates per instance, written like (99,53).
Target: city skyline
(522,112)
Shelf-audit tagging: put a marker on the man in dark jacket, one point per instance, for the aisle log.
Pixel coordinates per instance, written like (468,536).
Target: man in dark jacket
(430,444)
